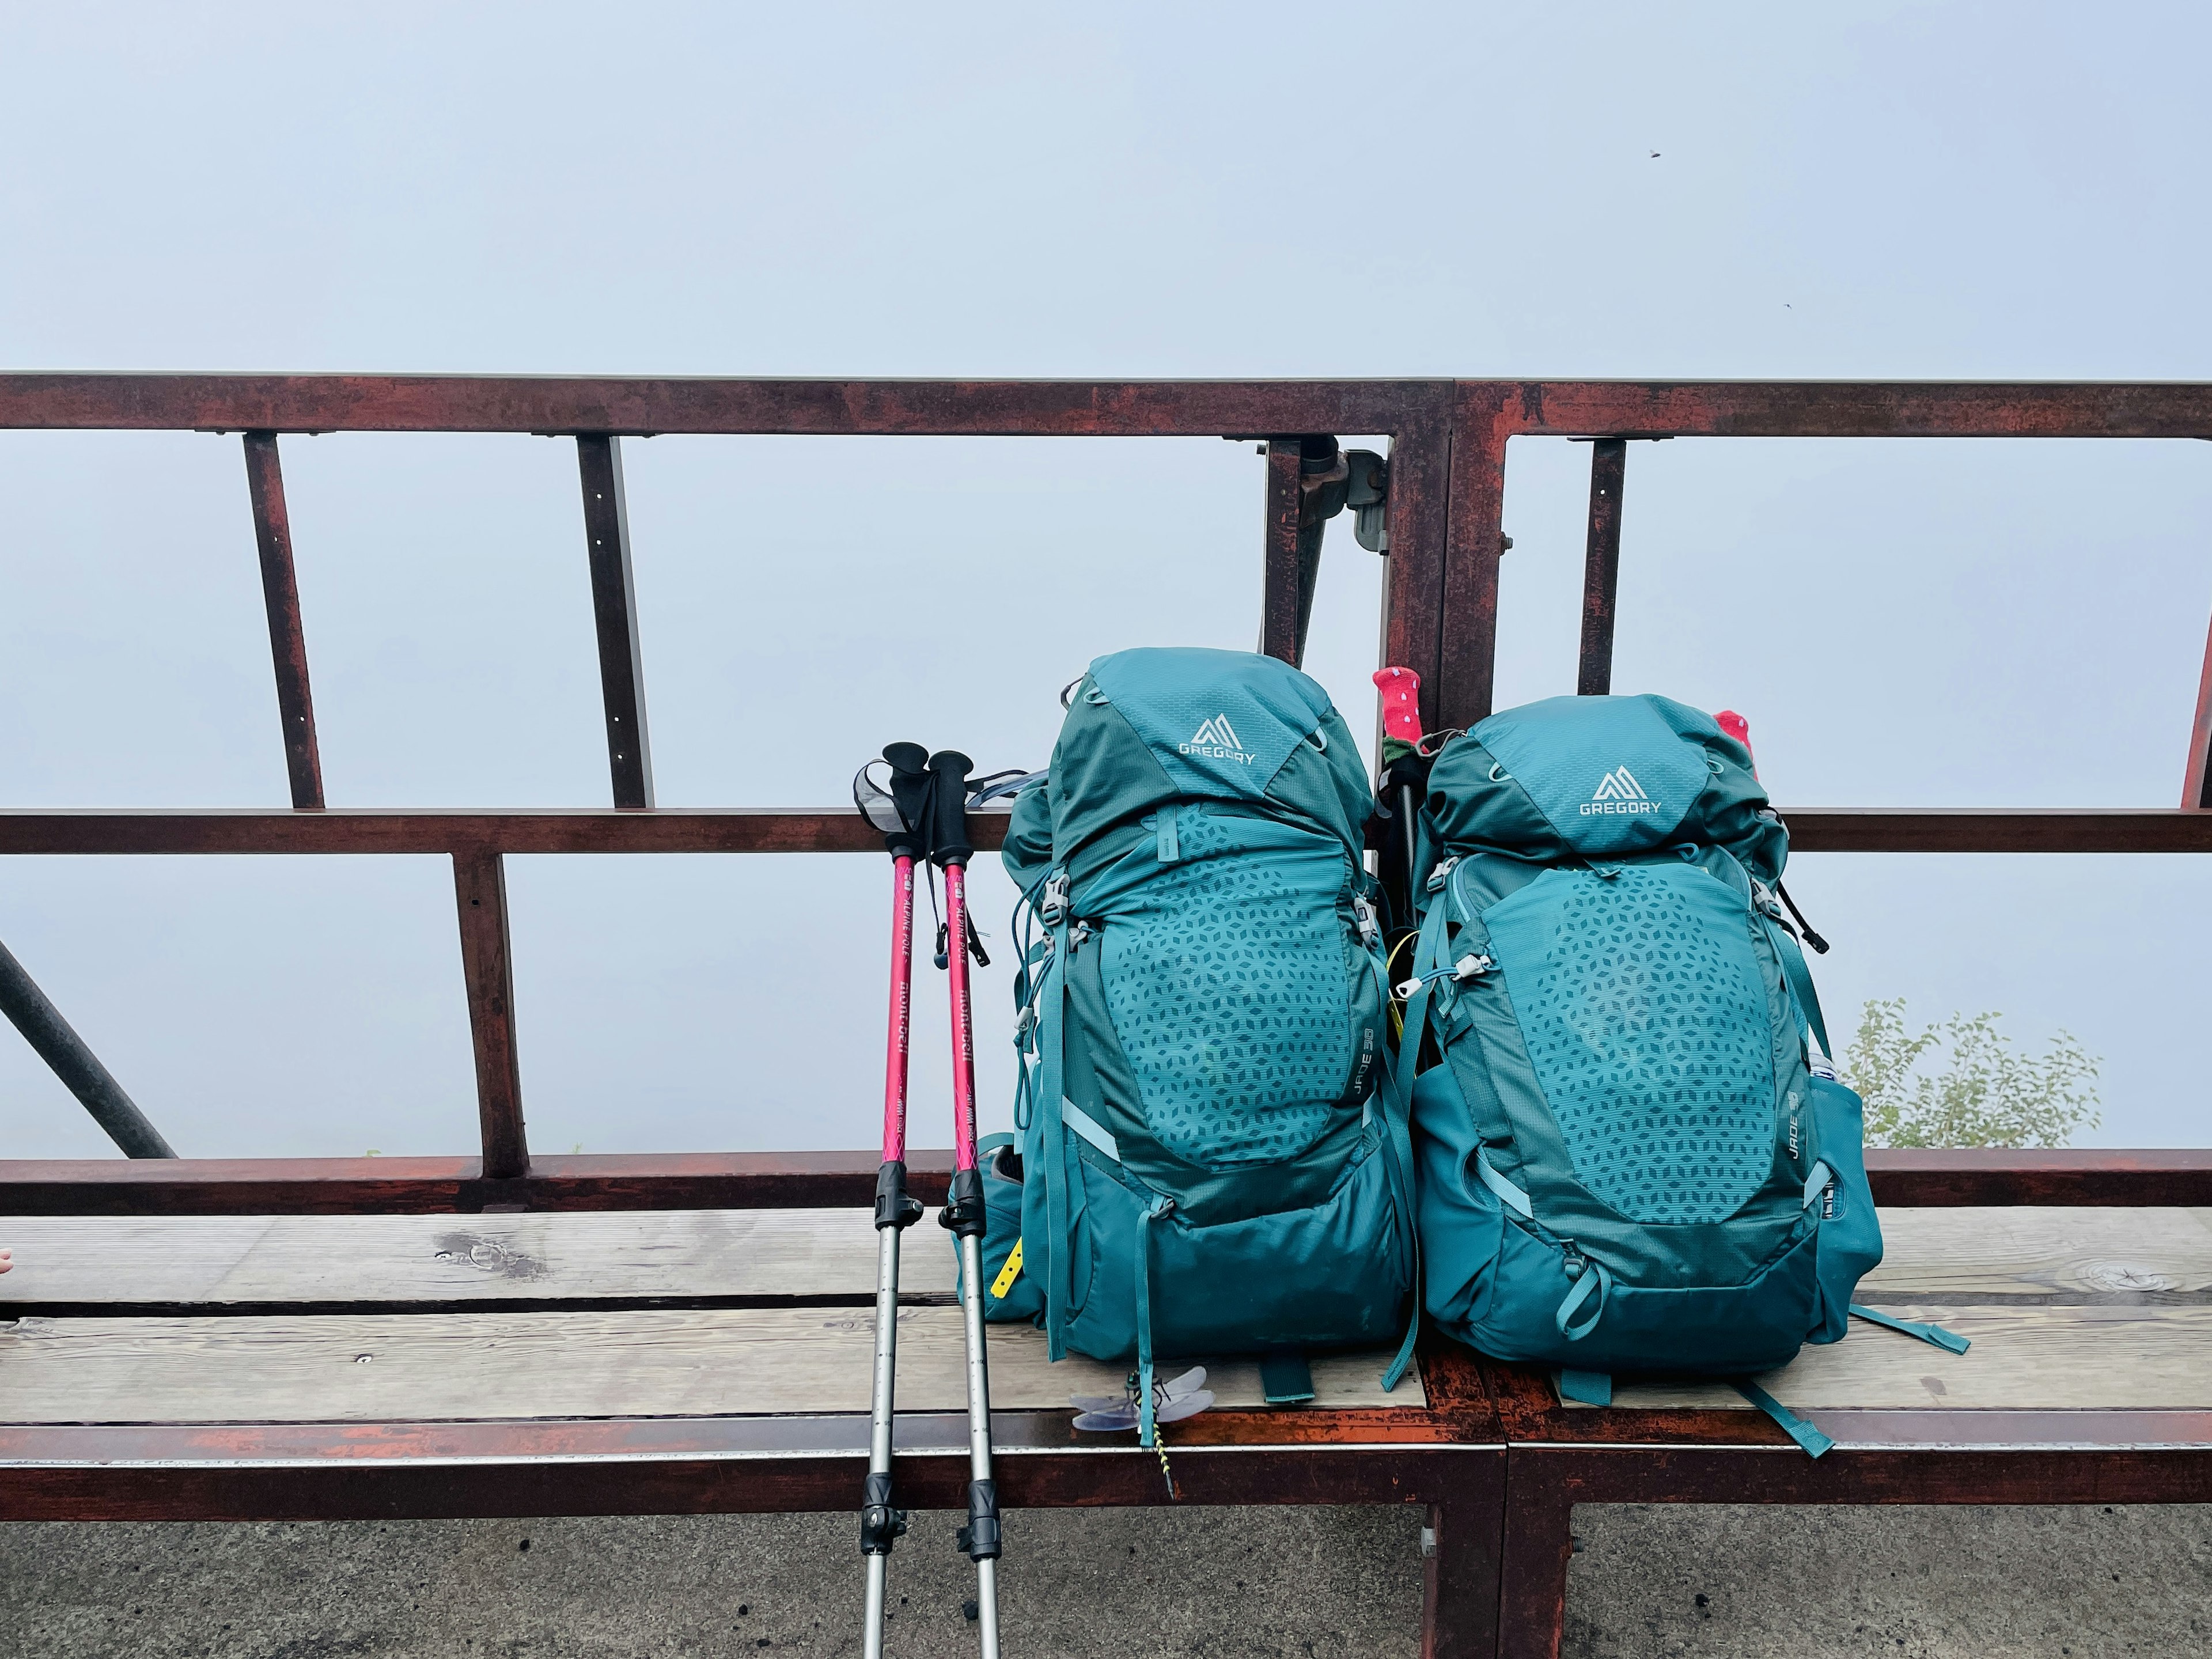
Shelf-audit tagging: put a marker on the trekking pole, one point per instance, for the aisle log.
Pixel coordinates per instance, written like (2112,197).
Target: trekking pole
(949,850)
(902,813)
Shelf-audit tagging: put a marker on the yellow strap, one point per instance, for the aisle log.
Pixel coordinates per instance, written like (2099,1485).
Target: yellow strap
(1004,1281)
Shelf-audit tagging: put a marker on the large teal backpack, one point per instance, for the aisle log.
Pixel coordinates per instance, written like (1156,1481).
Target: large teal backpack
(1205,1164)
(1634,1155)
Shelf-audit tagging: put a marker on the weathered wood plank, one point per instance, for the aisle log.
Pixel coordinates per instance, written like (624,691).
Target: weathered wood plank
(1956,1255)
(634,1363)
(1964,1255)
(2023,1358)
(188,1261)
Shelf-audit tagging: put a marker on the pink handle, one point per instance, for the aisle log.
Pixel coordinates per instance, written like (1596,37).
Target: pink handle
(964,1023)
(1737,727)
(899,1043)
(1401,703)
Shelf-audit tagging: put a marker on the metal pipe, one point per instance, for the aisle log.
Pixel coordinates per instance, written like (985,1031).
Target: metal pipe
(57,1044)
(1601,565)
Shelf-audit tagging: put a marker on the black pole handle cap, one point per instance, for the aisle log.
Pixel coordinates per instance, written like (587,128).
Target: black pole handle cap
(948,830)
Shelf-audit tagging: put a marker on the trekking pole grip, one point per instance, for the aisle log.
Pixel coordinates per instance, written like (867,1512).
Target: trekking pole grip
(909,764)
(948,828)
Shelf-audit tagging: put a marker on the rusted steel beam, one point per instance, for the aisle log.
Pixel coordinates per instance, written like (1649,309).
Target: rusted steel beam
(488,972)
(457,1186)
(280,591)
(1601,565)
(2197,780)
(574,404)
(589,830)
(1966,1176)
(614,614)
(1995,829)
(1278,606)
(834,1180)
(569,404)
(1474,543)
(1413,572)
(1839,408)
(560,1467)
(777,829)
(1459,1580)
(55,1040)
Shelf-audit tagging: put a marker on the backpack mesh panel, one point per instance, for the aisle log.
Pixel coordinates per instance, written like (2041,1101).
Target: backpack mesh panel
(1230,995)
(1646,1018)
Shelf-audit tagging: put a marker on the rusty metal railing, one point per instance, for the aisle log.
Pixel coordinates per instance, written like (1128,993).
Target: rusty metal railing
(1443,517)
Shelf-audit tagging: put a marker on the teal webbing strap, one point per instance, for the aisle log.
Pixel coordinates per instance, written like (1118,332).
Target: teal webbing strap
(1935,1334)
(1813,1442)
(1285,1378)
(1590,1388)
(1398,1149)
(1090,1129)
(1593,1277)
(1158,1206)
(1801,979)
(1168,841)
(1508,1194)
(1398,1114)
(1060,1283)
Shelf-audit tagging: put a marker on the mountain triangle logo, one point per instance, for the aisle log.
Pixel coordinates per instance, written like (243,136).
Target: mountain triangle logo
(1216,739)
(1618,791)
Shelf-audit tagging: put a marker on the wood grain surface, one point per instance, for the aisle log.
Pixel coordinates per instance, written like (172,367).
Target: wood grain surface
(633,1362)
(187,1260)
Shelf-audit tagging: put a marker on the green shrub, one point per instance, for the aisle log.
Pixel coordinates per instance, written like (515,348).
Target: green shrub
(1961,1082)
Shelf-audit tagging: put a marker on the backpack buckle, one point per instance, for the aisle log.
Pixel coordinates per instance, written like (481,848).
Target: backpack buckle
(1055,905)
(1371,929)
(1441,874)
(1471,967)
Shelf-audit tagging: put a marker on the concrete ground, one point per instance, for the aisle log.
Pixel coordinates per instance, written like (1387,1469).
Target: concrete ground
(1901,1584)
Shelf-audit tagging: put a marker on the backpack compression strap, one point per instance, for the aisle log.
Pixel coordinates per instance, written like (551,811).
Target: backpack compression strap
(1396,1093)
(1045,1100)
(1801,978)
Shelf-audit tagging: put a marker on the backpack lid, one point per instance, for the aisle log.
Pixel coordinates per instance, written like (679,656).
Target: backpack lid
(1159,725)
(1604,777)
(1220,723)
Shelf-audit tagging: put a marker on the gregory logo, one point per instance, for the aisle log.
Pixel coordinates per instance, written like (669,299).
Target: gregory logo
(1618,791)
(1215,740)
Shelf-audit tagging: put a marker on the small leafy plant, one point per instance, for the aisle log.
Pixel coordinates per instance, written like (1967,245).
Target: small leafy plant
(1961,1082)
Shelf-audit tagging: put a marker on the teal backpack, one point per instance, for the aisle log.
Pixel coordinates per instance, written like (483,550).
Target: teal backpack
(1634,1154)
(1204,1165)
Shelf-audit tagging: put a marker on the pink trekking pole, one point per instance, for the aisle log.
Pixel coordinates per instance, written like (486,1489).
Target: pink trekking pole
(901,812)
(949,850)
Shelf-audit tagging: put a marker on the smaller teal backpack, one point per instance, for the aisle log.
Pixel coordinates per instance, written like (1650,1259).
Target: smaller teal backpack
(1634,1155)
(1204,1163)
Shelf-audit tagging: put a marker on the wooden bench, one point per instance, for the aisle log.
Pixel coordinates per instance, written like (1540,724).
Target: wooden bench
(219,1366)
(331,1366)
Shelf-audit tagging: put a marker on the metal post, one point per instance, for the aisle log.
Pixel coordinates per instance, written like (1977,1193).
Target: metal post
(614,610)
(280,591)
(1601,565)
(1279,613)
(76,1065)
(2196,781)
(480,889)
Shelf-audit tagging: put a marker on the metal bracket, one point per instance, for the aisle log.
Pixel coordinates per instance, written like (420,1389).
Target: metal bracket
(1367,493)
